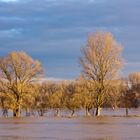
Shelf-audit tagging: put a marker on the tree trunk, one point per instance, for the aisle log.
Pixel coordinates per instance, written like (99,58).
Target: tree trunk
(126,111)
(58,112)
(98,111)
(87,112)
(5,112)
(72,113)
(33,113)
(28,112)
(17,111)
(93,112)
(42,112)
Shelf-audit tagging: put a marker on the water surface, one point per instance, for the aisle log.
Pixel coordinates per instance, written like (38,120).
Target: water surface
(79,128)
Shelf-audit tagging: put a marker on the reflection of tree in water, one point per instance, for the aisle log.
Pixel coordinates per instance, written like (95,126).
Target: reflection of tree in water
(47,138)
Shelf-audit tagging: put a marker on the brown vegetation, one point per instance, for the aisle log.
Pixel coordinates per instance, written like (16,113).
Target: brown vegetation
(98,86)
(101,63)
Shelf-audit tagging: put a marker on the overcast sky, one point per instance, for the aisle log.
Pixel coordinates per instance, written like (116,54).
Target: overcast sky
(53,31)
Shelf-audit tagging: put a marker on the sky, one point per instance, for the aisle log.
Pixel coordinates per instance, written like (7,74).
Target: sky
(53,31)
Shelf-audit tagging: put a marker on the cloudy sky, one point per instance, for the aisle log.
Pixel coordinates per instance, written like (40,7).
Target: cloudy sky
(53,31)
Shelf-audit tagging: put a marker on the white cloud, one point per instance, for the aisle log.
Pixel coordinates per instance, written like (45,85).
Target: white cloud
(10,33)
(9,0)
(53,79)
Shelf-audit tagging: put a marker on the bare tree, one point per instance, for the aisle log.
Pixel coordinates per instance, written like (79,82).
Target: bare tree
(131,95)
(55,96)
(42,98)
(4,104)
(134,81)
(73,98)
(85,90)
(115,91)
(101,63)
(128,100)
(29,101)
(17,73)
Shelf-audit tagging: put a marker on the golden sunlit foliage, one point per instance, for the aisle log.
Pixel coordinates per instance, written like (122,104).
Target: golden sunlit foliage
(99,85)
(101,62)
(18,71)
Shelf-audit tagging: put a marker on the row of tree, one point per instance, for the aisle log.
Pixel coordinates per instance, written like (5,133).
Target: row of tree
(98,86)
(72,96)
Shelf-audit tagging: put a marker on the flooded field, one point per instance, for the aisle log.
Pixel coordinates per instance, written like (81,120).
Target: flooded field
(78,128)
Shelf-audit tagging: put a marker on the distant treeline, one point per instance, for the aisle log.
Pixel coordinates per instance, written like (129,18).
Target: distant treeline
(73,96)
(98,85)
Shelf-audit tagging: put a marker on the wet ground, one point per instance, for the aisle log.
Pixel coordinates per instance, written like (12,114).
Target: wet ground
(78,128)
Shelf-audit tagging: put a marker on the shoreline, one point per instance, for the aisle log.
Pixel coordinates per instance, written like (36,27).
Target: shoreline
(74,117)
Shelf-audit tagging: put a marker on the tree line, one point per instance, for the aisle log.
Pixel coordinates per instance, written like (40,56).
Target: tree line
(99,84)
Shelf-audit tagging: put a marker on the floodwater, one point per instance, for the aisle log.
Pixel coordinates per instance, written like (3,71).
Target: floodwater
(77,128)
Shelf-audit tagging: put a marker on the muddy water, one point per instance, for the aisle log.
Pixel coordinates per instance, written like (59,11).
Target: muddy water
(81,128)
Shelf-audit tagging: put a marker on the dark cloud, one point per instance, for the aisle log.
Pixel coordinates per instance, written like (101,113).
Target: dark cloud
(54,30)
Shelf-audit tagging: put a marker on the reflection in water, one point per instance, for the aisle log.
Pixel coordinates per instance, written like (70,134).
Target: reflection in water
(81,128)
(45,138)
(26,138)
